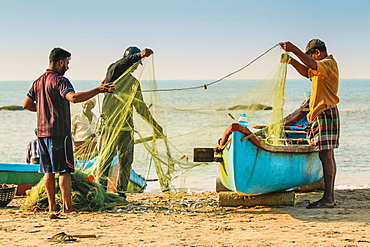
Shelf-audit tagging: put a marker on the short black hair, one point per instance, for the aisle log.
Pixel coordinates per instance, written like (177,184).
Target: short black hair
(58,54)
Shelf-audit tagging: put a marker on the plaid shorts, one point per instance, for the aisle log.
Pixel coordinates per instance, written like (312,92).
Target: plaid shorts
(323,132)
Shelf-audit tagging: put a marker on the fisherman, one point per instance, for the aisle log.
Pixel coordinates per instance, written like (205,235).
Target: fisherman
(49,96)
(323,118)
(33,151)
(124,140)
(84,127)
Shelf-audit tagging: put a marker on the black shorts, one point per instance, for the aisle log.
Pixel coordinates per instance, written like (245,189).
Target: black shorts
(56,154)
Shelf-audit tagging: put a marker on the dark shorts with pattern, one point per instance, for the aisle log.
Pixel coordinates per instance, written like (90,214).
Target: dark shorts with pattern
(56,154)
(323,132)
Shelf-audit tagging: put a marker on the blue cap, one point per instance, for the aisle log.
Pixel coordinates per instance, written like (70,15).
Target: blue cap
(131,50)
(243,115)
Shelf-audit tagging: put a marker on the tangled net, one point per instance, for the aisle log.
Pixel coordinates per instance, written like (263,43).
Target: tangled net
(195,118)
(87,195)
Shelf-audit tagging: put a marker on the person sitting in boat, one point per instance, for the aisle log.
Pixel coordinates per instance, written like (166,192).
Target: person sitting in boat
(83,126)
(33,151)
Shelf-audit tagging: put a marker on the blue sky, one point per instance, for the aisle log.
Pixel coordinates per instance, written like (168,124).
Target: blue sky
(193,39)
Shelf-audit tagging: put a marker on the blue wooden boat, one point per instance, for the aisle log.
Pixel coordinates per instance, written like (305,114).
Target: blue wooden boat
(26,175)
(23,175)
(249,165)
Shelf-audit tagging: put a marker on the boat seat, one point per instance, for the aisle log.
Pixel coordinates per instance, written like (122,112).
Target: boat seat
(292,141)
(295,132)
(299,141)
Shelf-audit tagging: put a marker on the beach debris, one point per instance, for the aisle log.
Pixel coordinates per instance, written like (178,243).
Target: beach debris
(61,238)
(55,216)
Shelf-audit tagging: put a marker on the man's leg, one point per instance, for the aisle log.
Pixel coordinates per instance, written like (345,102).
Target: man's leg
(324,133)
(106,155)
(329,169)
(125,159)
(65,184)
(49,181)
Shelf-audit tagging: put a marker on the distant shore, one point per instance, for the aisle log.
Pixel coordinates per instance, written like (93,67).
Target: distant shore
(11,108)
(194,219)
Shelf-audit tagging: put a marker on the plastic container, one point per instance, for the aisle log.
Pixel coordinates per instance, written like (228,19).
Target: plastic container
(243,121)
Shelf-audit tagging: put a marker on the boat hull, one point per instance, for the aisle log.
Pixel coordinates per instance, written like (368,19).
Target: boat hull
(24,175)
(251,167)
(27,175)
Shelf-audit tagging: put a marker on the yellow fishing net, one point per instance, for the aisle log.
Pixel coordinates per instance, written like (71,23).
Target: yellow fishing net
(156,128)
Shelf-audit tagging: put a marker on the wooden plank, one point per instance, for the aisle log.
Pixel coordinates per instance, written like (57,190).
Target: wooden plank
(220,186)
(295,132)
(232,199)
(319,185)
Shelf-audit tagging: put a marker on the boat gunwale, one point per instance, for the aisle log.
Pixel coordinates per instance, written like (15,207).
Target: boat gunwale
(260,143)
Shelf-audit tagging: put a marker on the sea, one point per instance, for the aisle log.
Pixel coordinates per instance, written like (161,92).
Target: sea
(352,156)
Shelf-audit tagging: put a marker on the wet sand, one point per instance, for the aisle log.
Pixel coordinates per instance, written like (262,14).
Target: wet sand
(194,219)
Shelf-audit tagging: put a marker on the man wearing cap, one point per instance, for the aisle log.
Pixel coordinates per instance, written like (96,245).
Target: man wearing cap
(119,125)
(323,117)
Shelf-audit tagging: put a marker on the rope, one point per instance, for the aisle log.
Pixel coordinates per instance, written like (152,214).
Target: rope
(247,137)
(211,83)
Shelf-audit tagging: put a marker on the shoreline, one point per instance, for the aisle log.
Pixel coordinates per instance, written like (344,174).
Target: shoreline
(194,219)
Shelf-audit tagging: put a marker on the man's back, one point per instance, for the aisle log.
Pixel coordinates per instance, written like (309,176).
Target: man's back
(115,70)
(53,110)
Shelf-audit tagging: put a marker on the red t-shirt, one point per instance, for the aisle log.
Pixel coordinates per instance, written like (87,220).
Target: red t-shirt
(53,109)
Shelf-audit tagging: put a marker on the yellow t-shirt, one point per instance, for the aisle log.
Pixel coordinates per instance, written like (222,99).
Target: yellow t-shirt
(324,87)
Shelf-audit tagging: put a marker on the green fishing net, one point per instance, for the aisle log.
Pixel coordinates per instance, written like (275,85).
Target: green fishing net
(87,195)
(189,116)
(161,125)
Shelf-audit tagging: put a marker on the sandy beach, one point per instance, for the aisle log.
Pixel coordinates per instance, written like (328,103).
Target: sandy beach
(195,219)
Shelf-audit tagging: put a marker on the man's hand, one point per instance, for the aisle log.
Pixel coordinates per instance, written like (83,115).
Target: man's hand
(106,87)
(285,58)
(146,52)
(288,46)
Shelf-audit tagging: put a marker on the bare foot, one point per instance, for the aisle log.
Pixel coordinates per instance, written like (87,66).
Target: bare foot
(69,210)
(54,208)
(321,204)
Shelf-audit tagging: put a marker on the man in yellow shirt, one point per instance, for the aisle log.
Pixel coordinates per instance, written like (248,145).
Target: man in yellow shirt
(323,117)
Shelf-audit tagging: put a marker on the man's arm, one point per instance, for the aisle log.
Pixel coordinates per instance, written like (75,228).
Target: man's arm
(83,96)
(144,111)
(308,62)
(29,104)
(301,69)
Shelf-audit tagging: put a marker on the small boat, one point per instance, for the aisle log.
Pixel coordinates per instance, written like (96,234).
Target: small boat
(26,176)
(23,175)
(249,165)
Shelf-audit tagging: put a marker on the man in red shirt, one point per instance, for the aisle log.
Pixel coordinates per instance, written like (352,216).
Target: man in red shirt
(49,96)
